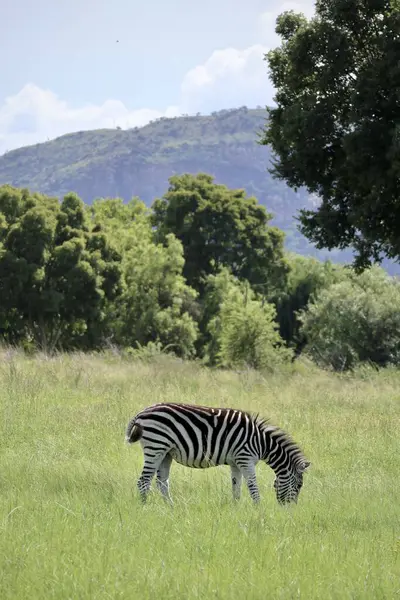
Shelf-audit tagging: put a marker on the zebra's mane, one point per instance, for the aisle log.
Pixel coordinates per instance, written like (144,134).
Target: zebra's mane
(264,426)
(262,423)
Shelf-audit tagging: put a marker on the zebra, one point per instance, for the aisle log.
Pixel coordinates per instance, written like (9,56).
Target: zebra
(201,437)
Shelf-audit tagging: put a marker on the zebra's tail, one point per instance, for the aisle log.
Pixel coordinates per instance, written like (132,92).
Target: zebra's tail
(134,432)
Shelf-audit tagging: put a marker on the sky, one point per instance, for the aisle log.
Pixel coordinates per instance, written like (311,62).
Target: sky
(74,65)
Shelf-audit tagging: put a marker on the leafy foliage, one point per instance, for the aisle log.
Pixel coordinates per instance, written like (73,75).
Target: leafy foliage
(356,320)
(335,129)
(307,276)
(76,276)
(157,305)
(219,227)
(56,275)
(157,300)
(241,329)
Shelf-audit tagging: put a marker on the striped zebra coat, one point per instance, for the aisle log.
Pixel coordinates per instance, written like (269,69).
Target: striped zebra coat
(202,437)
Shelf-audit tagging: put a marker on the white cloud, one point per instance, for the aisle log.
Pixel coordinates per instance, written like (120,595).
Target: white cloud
(233,77)
(229,77)
(34,115)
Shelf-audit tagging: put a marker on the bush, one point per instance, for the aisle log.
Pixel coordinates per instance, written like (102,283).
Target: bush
(242,330)
(307,276)
(355,321)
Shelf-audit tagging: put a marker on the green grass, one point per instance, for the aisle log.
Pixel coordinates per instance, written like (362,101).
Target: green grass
(72,525)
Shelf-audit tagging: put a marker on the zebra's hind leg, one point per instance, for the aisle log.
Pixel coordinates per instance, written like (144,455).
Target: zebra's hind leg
(151,464)
(163,478)
(236,477)
(249,473)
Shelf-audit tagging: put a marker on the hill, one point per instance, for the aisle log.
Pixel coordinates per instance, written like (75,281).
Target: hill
(139,161)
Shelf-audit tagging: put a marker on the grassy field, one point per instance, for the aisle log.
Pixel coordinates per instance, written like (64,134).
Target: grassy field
(72,525)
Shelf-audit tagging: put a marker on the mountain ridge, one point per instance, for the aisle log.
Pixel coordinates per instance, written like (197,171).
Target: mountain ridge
(138,162)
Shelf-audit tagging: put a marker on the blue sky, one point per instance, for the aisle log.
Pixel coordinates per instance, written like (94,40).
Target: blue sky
(62,69)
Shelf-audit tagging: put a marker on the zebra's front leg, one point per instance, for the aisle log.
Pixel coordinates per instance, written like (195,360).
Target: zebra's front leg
(249,473)
(163,478)
(236,477)
(151,464)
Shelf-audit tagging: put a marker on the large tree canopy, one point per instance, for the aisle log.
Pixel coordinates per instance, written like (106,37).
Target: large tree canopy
(220,227)
(336,126)
(57,275)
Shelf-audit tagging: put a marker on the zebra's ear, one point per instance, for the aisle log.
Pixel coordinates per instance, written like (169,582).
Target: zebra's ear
(304,465)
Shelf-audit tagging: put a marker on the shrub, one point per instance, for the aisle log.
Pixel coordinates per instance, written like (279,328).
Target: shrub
(355,321)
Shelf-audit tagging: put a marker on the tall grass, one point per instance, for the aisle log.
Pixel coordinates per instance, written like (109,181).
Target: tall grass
(72,526)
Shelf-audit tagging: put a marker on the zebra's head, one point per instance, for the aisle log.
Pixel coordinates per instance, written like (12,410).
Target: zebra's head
(289,481)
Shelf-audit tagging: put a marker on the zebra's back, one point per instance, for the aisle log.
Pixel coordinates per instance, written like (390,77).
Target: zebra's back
(194,436)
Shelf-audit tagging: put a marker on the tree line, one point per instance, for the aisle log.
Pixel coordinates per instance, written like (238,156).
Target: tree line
(201,274)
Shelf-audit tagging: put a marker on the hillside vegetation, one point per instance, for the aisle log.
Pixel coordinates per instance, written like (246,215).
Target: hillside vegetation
(138,162)
(73,526)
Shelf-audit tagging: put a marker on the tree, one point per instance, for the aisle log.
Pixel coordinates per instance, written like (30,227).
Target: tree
(336,126)
(157,305)
(306,278)
(220,227)
(241,330)
(56,275)
(355,321)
